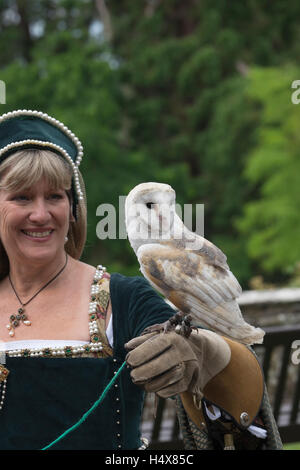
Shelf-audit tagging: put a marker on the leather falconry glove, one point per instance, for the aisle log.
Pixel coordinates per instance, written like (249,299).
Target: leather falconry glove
(169,364)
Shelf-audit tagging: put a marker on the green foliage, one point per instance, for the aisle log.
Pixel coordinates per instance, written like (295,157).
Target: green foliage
(271,221)
(292,446)
(187,93)
(71,82)
(188,69)
(187,108)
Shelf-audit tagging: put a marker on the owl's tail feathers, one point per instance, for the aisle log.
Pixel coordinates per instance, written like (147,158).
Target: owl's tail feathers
(240,330)
(247,334)
(227,320)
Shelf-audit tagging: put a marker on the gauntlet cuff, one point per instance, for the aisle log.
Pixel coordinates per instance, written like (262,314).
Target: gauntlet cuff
(237,389)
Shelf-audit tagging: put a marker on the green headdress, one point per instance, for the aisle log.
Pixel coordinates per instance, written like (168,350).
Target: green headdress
(26,129)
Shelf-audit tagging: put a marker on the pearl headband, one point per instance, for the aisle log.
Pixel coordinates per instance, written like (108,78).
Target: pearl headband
(65,132)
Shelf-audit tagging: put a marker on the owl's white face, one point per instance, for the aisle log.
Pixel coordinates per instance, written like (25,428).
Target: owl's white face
(149,213)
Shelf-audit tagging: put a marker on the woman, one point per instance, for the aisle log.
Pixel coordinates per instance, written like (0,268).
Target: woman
(66,327)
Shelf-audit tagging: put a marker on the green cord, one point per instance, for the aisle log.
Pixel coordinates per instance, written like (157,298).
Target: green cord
(83,418)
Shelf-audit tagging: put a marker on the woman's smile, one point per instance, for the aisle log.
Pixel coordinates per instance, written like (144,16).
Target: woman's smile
(38,235)
(34,218)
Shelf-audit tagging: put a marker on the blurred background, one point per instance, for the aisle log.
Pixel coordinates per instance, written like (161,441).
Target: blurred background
(196,94)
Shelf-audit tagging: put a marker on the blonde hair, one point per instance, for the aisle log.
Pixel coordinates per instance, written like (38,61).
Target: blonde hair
(23,169)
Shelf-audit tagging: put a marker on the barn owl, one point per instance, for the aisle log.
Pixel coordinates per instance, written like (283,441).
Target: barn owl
(191,272)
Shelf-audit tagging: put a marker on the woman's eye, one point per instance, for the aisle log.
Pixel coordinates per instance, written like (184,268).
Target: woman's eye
(20,198)
(55,196)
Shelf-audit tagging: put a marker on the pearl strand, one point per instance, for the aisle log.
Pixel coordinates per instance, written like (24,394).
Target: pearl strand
(93,325)
(3,386)
(59,125)
(53,121)
(95,344)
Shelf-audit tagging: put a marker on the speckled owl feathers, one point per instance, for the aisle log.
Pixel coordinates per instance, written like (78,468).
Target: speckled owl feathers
(191,272)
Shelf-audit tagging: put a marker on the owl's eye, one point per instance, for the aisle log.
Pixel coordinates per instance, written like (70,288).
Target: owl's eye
(149,205)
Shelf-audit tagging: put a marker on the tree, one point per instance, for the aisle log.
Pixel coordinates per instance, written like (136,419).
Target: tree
(157,91)
(74,82)
(271,221)
(184,69)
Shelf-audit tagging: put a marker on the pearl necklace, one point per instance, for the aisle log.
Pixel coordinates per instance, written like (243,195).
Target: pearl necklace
(62,151)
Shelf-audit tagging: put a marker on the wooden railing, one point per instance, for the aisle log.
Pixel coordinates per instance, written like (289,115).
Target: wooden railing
(282,376)
(278,358)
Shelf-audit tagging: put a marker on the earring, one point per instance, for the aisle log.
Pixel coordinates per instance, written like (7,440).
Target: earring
(66,239)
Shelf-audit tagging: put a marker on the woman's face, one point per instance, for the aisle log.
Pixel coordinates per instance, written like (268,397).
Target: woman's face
(34,222)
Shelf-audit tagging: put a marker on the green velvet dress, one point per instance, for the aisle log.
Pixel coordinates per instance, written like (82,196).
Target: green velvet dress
(47,395)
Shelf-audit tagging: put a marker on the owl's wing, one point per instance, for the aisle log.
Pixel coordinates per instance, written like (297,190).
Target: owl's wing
(199,283)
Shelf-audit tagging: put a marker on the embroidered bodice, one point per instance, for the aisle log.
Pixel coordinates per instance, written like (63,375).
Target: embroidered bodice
(48,389)
(100,344)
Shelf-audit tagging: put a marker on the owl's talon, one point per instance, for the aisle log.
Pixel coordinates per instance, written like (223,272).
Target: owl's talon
(179,323)
(167,326)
